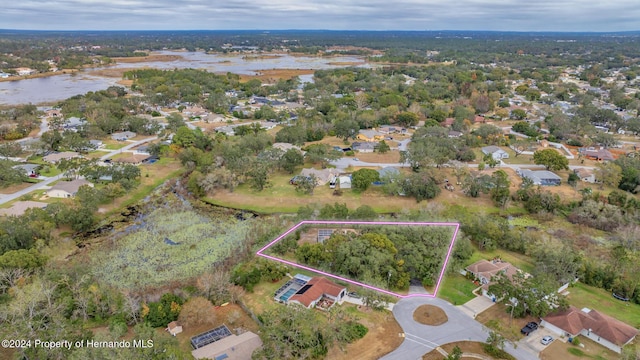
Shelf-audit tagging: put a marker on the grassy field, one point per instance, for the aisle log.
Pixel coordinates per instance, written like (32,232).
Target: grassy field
(456,289)
(282,197)
(171,243)
(582,296)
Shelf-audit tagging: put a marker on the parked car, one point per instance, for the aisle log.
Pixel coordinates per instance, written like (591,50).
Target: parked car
(620,297)
(546,340)
(354,295)
(529,328)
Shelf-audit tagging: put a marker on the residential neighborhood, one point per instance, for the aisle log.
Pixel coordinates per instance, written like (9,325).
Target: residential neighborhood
(426,197)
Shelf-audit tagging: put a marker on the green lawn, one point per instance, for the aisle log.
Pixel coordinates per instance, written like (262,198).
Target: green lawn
(456,289)
(520,261)
(281,197)
(582,296)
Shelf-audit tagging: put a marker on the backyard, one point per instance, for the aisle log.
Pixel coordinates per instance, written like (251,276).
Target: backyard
(581,296)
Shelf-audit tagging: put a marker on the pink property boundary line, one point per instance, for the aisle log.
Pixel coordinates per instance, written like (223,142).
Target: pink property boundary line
(444,265)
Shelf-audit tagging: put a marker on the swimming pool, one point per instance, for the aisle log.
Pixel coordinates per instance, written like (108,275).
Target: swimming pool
(284,297)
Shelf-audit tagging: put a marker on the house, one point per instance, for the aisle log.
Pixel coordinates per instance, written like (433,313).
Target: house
(322,176)
(345,181)
(174,328)
(318,292)
(485,270)
(599,155)
(134,159)
(448,122)
(232,347)
(53,113)
(56,157)
(73,123)
(67,189)
(96,144)
(388,171)
(496,152)
(388,129)
(285,146)
(363,147)
(586,175)
(605,330)
(142,150)
(22,71)
(479,119)
(123,136)
(20,207)
(540,177)
(370,135)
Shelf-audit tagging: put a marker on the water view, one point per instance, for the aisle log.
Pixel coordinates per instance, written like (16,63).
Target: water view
(60,87)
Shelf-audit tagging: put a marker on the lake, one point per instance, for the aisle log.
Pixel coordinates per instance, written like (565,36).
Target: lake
(60,87)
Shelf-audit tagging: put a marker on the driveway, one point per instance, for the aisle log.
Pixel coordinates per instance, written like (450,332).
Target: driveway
(533,340)
(420,339)
(475,306)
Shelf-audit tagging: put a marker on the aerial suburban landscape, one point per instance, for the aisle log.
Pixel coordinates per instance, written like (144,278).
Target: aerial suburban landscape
(319,194)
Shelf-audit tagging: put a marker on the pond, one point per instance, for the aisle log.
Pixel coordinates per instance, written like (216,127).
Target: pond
(60,87)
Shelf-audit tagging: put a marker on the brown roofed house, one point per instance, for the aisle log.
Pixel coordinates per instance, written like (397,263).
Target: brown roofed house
(318,291)
(485,270)
(174,328)
(56,157)
(603,329)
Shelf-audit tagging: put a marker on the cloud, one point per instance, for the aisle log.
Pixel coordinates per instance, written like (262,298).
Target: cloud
(518,15)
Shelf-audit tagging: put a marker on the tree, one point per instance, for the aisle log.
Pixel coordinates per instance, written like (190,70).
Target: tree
(197,311)
(520,145)
(407,119)
(321,153)
(534,295)
(518,114)
(291,159)
(383,147)
(500,190)
(421,185)
(609,174)
(362,179)
(9,175)
(306,184)
(551,159)
(346,129)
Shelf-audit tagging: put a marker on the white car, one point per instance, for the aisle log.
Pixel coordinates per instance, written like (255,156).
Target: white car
(546,340)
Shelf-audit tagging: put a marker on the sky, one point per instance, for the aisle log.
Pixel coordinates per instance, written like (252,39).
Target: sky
(499,15)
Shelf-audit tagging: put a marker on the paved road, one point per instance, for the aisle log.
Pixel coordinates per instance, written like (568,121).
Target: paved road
(11,197)
(420,339)
(128,147)
(15,195)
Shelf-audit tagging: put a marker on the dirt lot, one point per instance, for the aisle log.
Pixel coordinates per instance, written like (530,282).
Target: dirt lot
(273,75)
(382,338)
(152,57)
(430,315)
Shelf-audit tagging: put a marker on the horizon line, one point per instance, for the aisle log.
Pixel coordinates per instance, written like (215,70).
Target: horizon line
(338,30)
